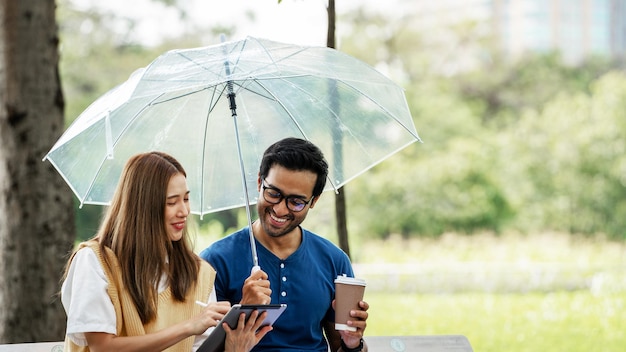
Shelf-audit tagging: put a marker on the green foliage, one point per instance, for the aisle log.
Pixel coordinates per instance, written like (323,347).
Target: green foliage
(87,224)
(500,90)
(450,191)
(573,154)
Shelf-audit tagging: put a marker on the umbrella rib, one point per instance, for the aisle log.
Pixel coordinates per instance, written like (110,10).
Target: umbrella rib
(361,93)
(212,105)
(130,122)
(268,54)
(202,66)
(293,119)
(313,97)
(414,134)
(82,200)
(243,46)
(175,97)
(258,81)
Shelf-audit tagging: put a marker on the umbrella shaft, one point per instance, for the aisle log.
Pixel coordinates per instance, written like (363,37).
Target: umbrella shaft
(255,259)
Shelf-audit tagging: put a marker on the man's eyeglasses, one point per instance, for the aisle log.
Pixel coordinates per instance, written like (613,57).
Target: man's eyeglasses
(274,196)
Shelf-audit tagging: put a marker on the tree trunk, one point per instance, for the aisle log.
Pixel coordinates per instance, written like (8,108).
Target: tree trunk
(340,199)
(36,214)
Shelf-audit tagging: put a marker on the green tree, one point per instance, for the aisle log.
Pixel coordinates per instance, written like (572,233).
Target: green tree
(573,155)
(500,90)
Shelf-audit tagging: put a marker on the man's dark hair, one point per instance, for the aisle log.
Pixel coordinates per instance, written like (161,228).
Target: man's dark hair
(298,155)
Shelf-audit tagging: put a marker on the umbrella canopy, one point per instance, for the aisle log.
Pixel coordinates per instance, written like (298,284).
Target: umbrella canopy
(180,105)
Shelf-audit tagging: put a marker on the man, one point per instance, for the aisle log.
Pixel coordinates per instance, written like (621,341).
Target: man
(298,267)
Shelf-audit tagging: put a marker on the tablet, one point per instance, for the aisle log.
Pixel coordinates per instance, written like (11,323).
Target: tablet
(215,341)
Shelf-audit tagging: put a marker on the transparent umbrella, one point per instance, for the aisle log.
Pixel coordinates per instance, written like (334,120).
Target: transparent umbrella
(217,108)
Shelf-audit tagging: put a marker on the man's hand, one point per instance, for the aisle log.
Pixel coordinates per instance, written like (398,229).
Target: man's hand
(256,289)
(353,338)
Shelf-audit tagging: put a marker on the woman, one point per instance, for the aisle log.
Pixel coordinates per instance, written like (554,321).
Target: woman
(134,286)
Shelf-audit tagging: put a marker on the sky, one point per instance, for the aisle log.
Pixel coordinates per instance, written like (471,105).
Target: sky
(292,21)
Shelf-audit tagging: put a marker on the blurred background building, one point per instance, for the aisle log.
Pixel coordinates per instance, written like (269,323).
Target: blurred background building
(576,29)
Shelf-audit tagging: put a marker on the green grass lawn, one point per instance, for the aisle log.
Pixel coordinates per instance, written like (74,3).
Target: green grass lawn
(552,321)
(546,292)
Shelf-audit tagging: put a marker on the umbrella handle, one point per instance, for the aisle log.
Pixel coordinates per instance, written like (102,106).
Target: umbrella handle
(255,269)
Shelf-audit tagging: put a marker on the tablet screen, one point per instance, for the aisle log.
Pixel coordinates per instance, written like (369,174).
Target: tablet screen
(215,341)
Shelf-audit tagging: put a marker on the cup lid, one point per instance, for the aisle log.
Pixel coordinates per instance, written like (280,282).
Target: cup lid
(342,279)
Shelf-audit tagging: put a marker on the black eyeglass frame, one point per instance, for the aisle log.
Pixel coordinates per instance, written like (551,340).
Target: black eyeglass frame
(287,199)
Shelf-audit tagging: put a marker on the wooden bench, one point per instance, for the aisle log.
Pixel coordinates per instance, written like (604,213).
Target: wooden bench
(429,343)
(33,347)
(436,343)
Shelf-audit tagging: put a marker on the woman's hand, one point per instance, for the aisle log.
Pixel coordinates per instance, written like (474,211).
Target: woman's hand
(209,317)
(247,334)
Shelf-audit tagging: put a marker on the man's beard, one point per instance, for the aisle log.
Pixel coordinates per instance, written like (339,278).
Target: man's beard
(269,230)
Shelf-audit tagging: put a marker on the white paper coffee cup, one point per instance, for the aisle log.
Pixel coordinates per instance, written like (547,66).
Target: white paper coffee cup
(348,292)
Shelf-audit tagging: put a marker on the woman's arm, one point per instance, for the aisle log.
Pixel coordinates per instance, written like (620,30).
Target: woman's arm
(162,339)
(242,339)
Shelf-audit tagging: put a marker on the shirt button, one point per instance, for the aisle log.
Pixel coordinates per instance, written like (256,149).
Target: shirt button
(284,278)
(282,265)
(283,293)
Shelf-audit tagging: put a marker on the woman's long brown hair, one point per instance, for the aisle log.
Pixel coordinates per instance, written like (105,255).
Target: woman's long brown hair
(134,228)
